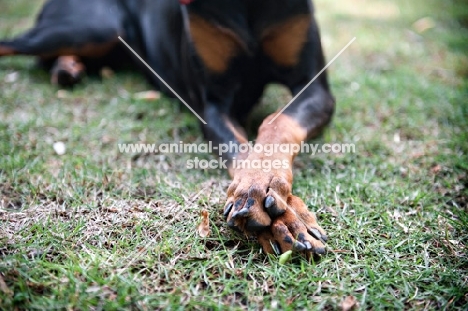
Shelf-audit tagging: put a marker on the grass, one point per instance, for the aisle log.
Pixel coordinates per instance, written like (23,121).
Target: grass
(97,229)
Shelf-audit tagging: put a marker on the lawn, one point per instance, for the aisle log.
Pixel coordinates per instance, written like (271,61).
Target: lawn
(94,228)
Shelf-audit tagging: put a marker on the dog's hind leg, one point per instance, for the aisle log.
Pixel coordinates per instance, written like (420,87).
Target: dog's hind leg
(67,71)
(70,28)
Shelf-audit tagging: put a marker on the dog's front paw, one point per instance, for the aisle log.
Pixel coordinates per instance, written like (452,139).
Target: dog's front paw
(297,230)
(255,198)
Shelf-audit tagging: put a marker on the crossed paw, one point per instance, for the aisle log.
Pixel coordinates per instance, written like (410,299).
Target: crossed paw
(261,205)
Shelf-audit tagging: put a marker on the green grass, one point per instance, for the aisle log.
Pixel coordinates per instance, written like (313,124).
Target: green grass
(97,229)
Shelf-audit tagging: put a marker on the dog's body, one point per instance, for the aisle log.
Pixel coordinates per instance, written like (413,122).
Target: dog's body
(218,55)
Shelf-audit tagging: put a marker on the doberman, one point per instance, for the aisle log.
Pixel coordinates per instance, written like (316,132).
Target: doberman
(219,55)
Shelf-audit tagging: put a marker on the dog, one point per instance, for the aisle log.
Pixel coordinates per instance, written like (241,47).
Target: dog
(218,55)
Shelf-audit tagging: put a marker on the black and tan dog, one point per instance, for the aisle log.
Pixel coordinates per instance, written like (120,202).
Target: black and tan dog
(218,55)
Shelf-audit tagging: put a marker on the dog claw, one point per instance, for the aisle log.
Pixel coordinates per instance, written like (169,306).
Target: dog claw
(227,210)
(320,251)
(324,237)
(308,245)
(276,247)
(269,201)
(299,247)
(242,213)
(315,233)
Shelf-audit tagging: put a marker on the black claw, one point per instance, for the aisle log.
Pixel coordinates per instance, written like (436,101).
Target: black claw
(299,247)
(320,250)
(243,212)
(269,201)
(276,247)
(288,240)
(315,233)
(324,237)
(227,210)
(308,245)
